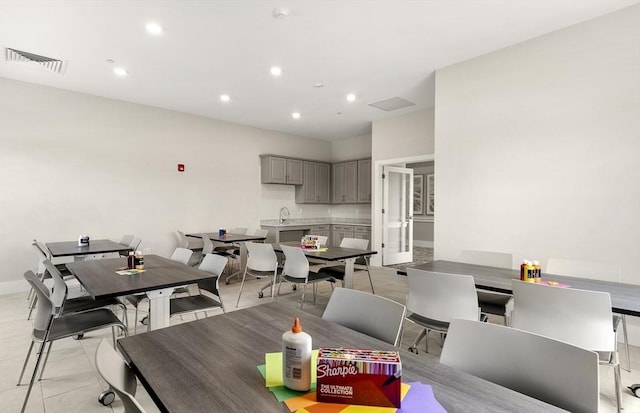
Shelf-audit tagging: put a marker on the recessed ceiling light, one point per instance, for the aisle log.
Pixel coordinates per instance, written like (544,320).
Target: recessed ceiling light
(120,71)
(154,28)
(295,115)
(276,71)
(318,85)
(281,12)
(351,97)
(225,98)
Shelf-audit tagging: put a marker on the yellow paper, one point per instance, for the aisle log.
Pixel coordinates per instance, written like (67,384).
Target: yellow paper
(273,362)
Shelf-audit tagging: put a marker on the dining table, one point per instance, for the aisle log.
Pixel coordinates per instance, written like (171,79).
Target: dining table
(229,238)
(333,254)
(625,298)
(158,280)
(95,246)
(210,365)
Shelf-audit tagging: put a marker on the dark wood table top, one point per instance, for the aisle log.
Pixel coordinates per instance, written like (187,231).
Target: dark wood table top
(228,238)
(96,246)
(100,280)
(331,254)
(625,298)
(209,365)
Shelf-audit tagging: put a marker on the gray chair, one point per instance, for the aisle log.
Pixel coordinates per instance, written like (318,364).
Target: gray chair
(262,262)
(491,302)
(181,255)
(43,255)
(119,377)
(541,367)
(78,304)
(49,326)
(578,317)
(194,304)
(593,271)
(362,263)
(296,270)
(436,298)
(369,314)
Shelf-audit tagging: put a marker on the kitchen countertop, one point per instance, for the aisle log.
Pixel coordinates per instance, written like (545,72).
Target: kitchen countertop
(307,222)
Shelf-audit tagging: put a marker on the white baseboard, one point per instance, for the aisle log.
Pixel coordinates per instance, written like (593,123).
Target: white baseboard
(423,244)
(12,287)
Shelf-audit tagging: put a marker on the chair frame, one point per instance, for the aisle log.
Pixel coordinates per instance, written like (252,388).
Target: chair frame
(262,262)
(296,270)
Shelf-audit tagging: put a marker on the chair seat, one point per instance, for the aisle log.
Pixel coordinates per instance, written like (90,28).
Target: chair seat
(86,303)
(192,304)
(313,277)
(428,322)
(70,325)
(492,303)
(135,299)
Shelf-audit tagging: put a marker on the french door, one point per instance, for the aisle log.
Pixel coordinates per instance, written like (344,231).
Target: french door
(397,216)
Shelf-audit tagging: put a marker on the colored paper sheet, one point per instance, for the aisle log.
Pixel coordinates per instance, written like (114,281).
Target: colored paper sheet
(263,370)
(282,393)
(294,404)
(420,399)
(273,362)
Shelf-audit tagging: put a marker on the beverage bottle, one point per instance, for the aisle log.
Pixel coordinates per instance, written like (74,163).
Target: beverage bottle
(131,261)
(296,358)
(530,272)
(139,260)
(523,270)
(537,271)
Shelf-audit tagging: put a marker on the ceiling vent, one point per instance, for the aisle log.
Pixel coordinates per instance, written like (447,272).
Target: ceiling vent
(48,63)
(391,104)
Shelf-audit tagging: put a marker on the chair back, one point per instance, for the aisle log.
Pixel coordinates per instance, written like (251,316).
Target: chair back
(118,375)
(45,310)
(442,297)
(214,264)
(261,232)
(322,240)
(60,289)
(126,239)
(181,255)
(238,230)
(369,314)
(355,243)
(261,257)
(549,370)
(135,244)
(584,269)
(42,253)
(488,258)
(578,317)
(207,245)
(296,264)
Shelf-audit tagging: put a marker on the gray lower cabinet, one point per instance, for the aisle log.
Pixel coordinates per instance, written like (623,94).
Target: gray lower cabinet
(339,232)
(322,230)
(362,232)
(364,181)
(315,184)
(278,170)
(345,183)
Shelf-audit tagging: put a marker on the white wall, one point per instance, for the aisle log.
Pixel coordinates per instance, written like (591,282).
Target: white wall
(72,163)
(538,147)
(402,139)
(358,147)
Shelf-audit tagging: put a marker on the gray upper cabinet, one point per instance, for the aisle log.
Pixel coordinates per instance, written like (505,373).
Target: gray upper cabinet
(278,170)
(315,186)
(345,182)
(364,181)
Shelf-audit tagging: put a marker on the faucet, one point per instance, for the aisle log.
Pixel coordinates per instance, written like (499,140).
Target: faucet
(284,212)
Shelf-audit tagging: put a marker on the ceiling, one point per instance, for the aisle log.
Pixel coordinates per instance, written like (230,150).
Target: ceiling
(374,49)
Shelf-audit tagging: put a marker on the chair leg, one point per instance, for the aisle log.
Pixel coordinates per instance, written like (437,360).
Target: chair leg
(26,360)
(626,342)
(46,358)
(33,376)
(423,334)
(370,281)
(304,290)
(244,275)
(616,376)
(135,323)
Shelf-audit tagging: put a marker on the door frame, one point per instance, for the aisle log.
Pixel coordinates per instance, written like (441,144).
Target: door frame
(377,201)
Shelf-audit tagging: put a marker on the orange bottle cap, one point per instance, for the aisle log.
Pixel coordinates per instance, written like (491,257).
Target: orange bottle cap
(297,327)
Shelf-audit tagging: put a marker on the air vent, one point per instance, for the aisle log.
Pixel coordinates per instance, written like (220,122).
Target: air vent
(391,104)
(48,63)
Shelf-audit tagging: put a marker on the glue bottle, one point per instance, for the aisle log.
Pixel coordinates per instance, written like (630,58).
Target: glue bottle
(296,358)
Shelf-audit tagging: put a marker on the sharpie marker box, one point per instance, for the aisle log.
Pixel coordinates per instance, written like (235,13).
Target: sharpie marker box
(365,377)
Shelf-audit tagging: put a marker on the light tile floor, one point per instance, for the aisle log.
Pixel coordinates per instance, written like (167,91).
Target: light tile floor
(71,383)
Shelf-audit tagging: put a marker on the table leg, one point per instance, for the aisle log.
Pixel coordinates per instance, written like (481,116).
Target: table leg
(159,308)
(349,265)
